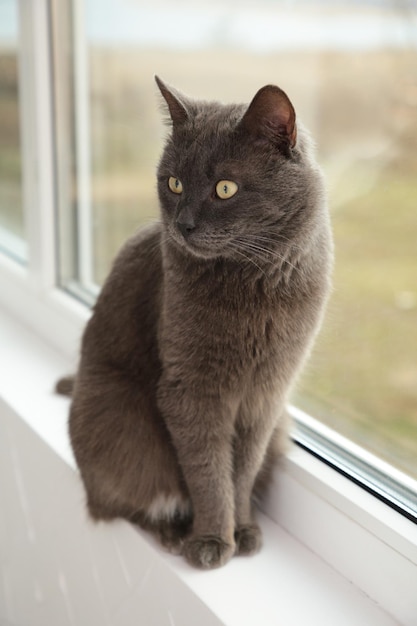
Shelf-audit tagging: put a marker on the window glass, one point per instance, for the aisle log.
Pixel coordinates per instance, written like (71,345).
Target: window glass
(351,71)
(12,234)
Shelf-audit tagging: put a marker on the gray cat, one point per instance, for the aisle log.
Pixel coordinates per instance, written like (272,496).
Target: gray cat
(178,409)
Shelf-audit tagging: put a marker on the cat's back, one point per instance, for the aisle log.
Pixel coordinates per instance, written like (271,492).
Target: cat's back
(138,261)
(126,313)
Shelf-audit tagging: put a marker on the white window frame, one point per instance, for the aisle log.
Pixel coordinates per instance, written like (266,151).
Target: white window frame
(30,291)
(83,157)
(358,535)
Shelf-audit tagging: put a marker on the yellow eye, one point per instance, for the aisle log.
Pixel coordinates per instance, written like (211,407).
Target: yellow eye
(226,189)
(175,184)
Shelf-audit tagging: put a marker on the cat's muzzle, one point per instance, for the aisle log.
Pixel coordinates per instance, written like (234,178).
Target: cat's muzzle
(185,227)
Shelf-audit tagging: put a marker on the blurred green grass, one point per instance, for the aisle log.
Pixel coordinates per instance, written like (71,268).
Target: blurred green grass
(11,204)
(362,377)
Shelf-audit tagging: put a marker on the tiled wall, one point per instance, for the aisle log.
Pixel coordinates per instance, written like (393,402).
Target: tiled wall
(57,568)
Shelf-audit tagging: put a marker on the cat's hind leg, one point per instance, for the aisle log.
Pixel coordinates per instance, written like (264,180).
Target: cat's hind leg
(127,461)
(169,519)
(170,526)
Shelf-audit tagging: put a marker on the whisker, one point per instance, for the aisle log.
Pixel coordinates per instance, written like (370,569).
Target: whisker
(162,240)
(249,259)
(278,238)
(250,245)
(255,245)
(263,253)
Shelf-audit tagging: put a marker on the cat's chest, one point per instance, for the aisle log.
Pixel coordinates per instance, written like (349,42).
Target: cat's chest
(221,333)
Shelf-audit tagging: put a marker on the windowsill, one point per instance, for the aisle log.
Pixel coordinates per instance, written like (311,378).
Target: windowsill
(286,584)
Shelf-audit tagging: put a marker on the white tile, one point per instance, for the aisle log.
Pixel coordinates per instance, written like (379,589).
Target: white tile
(67,535)
(7,612)
(37,600)
(134,553)
(110,572)
(161,599)
(48,482)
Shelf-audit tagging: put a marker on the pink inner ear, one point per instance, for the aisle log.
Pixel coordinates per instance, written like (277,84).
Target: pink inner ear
(283,114)
(271,113)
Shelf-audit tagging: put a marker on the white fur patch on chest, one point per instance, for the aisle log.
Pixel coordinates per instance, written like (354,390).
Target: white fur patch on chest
(167,507)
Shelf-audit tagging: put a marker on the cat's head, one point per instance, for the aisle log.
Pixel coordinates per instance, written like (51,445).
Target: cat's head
(233,180)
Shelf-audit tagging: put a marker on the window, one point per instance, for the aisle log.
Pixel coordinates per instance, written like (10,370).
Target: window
(350,71)
(12,229)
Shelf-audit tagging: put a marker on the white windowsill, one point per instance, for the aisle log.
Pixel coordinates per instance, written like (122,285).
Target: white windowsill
(286,584)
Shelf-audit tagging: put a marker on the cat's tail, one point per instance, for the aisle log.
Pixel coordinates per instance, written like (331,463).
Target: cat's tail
(65,385)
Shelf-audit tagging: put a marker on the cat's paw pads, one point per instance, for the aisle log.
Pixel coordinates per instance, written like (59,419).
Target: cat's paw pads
(248,539)
(207,552)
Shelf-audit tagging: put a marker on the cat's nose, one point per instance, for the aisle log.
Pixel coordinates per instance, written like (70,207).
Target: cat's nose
(185,225)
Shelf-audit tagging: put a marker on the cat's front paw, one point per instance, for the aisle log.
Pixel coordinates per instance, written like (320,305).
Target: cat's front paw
(207,551)
(248,539)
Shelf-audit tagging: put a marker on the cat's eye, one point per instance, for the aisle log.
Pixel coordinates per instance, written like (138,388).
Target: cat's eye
(226,189)
(175,184)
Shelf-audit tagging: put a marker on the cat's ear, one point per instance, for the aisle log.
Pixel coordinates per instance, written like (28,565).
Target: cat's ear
(177,105)
(271,117)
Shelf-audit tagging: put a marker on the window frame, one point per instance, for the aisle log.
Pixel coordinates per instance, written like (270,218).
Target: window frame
(378,478)
(307,492)
(30,290)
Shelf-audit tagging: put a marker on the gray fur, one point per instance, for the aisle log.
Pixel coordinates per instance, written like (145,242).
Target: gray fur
(178,409)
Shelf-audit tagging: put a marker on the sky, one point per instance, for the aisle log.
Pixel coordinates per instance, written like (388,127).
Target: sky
(262,27)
